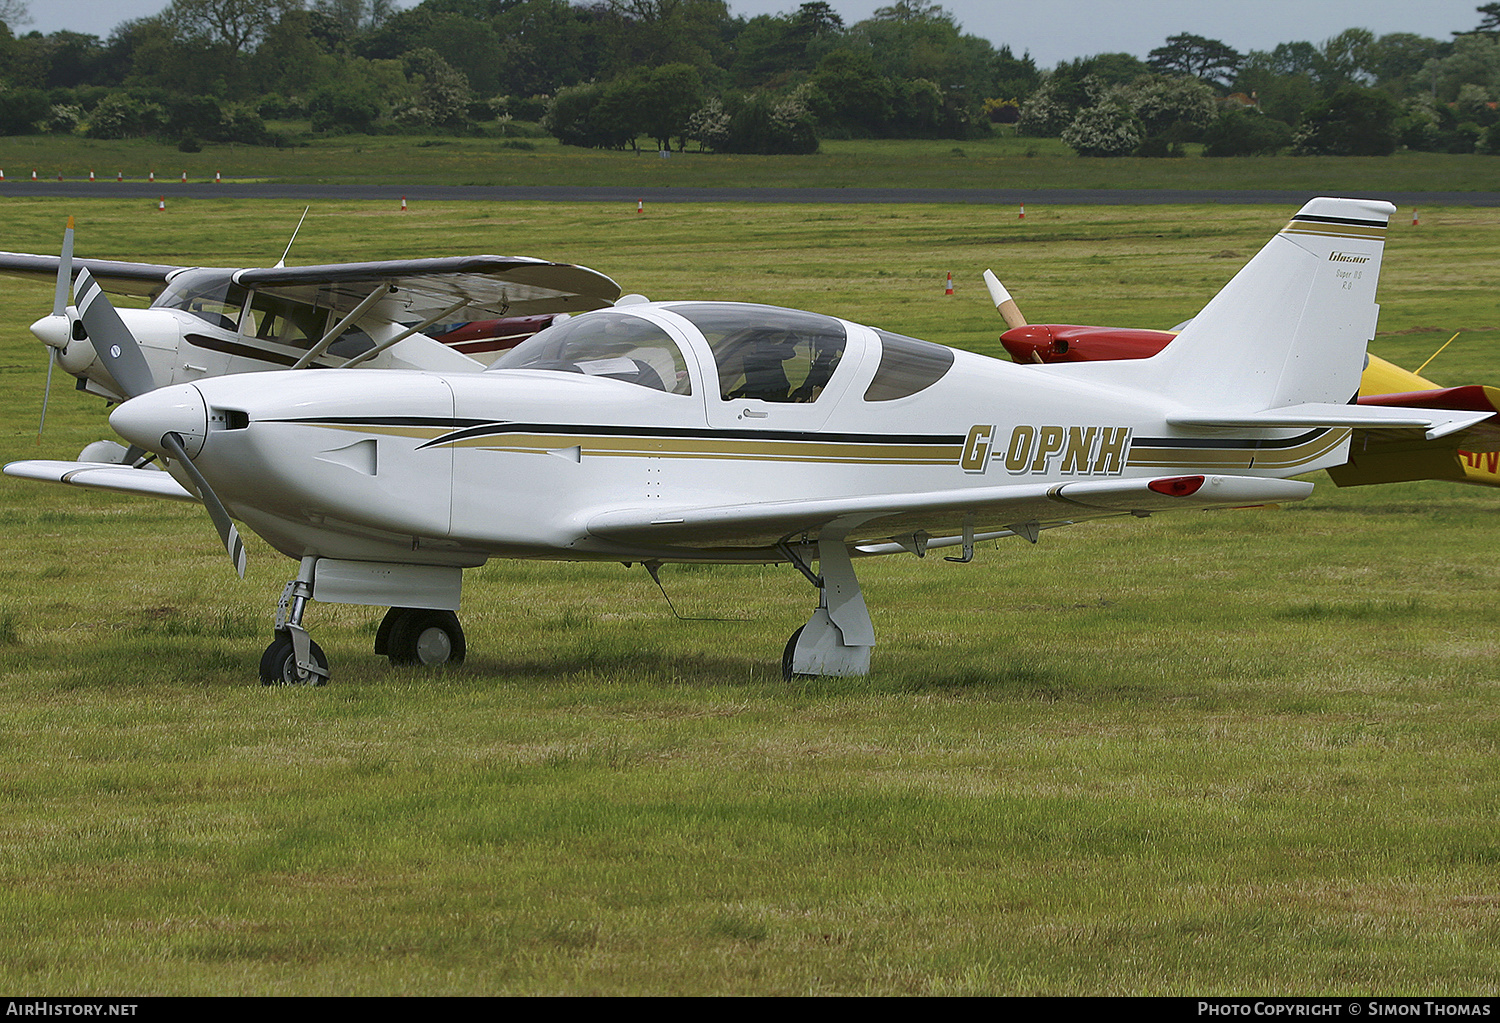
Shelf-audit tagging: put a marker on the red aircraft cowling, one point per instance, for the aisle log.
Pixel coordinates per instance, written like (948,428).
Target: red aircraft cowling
(482,336)
(1056,342)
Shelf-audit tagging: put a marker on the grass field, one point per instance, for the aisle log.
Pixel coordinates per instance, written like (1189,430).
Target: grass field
(999,162)
(1248,752)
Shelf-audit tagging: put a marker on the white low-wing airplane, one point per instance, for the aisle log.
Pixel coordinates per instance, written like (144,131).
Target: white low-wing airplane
(389,314)
(730,433)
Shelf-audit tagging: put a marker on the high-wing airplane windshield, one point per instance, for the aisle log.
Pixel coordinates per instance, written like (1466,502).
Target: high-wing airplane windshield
(907,366)
(607,344)
(210,295)
(767,353)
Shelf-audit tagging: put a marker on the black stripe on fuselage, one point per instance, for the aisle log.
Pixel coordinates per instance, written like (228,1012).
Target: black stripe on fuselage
(1253,444)
(469,429)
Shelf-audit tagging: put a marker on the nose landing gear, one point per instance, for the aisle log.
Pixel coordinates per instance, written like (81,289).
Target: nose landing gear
(293,659)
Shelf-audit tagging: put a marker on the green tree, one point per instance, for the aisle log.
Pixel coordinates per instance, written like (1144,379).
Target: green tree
(348,103)
(236,25)
(572,118)
(850,92)
(1347,59)
(1188,54)
(767,125)
(1354,121)
(770,48)
(1283,82)
(22,110)
(545,45)
(1246,132)
(1475,60)
(1489,24)
(1396,60)
(649,33)
(654,102)
(14,13)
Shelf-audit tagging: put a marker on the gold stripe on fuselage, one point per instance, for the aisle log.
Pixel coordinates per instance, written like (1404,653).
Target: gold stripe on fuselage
(722,448)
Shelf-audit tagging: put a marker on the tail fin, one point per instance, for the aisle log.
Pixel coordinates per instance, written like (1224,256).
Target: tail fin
(1291,327)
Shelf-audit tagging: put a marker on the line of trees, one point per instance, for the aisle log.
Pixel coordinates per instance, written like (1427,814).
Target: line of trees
(673,73)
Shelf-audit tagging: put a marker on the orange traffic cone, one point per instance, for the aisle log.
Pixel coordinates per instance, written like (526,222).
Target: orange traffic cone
(949,289)
(403,204)
(1023,212)
(161,203)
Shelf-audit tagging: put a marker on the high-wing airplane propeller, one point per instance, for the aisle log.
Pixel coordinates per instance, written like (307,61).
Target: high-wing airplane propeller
(59,308)
(714,432)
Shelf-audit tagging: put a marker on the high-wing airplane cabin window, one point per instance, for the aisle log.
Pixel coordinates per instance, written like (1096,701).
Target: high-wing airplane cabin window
(606,344)
(907,366)
(296,324)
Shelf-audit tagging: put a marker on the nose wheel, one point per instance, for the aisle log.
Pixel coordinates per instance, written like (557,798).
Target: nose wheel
(421,636)
(293,659)
(278,665)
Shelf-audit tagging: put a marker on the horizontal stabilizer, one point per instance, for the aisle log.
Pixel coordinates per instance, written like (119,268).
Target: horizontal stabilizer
(120,479)
(1434,423)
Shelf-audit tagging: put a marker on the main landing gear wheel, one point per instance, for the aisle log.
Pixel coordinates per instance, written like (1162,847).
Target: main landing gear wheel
(278,665)
(422,636)
(787,674)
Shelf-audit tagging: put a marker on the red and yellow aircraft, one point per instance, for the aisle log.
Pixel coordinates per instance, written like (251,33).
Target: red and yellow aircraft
(1470,456)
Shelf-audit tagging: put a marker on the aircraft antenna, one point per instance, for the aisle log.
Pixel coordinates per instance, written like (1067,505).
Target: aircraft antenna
(1435,354)
(654,567)
(282,261)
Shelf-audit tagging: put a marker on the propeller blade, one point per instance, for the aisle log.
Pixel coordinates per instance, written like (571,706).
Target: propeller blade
(59,308)
(46,394)
(1004,304)
(222,522)
(116,346)
(64,272)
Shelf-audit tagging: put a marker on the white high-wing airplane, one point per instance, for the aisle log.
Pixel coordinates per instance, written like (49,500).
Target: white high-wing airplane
(730,433)
(422,314)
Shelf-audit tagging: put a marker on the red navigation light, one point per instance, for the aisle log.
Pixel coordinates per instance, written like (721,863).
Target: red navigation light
(1177,486)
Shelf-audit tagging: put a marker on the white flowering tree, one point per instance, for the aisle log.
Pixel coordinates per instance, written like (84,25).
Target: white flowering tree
(1109,129)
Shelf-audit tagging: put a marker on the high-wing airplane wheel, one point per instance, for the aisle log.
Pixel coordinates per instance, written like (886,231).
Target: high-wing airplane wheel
(383,633)
(787,674)
(278,665)
(426,637)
